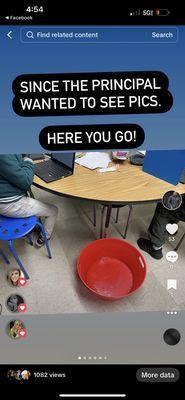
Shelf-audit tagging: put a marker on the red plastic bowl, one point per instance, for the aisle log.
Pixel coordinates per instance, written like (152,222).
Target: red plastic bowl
(111,268)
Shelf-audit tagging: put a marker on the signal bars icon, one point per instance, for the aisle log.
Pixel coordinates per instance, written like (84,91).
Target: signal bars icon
(135,13)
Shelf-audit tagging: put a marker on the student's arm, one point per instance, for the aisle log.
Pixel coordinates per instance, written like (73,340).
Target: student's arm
(18,173)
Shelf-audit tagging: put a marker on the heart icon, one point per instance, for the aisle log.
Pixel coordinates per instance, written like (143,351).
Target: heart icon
(172,228)
(22,307)
(172,256)
(22,281)
(22,333)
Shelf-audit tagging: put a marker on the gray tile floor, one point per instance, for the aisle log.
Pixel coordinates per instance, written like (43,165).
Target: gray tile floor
(54,286)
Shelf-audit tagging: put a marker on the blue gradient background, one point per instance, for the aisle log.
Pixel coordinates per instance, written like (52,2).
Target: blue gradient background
(20,134)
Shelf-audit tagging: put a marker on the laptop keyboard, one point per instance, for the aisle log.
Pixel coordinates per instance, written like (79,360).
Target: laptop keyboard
(50,168)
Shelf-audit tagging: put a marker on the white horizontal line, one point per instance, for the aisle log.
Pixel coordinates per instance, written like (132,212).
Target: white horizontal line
(92,395)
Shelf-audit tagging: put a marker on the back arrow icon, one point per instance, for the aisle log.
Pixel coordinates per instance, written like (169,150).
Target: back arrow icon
(9,34)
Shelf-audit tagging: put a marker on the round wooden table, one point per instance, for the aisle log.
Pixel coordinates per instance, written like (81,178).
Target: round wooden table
(127,185)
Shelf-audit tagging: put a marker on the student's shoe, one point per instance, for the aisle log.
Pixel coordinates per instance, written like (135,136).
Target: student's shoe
(40,241)
(147,246)
(36,230)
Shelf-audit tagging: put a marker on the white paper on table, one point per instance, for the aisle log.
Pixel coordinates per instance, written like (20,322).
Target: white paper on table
(94,160)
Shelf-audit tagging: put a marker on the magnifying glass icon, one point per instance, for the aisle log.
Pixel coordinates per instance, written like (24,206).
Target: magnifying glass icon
(29,35)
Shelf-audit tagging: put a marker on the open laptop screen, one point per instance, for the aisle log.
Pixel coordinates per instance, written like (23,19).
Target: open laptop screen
(67,159)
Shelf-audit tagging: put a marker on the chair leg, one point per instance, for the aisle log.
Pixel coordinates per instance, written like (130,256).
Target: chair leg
(45,239)
(127,223)
(180,242)
(102,220)
(12,250)
(117,215)
(94,214)
(30,239)
(31,194)
(2,254)
(107,220)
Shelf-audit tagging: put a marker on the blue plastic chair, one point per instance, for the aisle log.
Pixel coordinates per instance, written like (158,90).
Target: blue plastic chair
(15,228)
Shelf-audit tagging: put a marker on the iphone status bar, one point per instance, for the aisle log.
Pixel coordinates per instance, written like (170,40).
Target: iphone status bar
(83,15)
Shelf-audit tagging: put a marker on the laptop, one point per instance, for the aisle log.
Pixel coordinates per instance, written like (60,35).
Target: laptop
(36,156)
(59,166)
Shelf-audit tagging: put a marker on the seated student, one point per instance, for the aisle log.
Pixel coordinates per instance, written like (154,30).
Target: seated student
(16,177)
(157,229)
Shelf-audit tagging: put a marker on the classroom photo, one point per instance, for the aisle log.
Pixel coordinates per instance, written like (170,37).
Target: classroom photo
(89,232)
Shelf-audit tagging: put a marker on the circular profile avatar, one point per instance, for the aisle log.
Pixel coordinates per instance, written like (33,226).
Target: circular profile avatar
(13,277)
(18,375)
(172,200)
(11,374)
(13,302)
(16,329)
(25,375)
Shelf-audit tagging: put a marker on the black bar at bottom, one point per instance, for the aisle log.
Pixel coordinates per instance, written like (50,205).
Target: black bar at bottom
(120,381)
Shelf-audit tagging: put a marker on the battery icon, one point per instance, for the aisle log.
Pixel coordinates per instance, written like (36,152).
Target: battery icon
(162,12)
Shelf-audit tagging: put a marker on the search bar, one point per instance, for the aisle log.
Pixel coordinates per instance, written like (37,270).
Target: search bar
(99,35)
